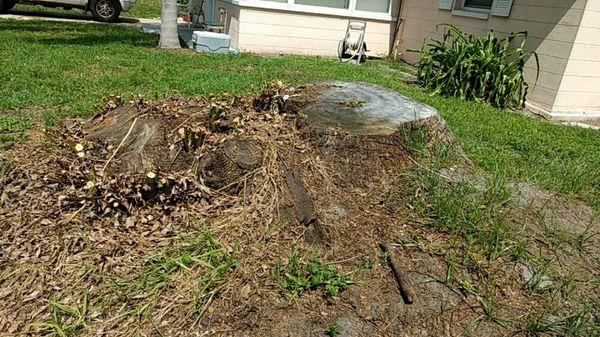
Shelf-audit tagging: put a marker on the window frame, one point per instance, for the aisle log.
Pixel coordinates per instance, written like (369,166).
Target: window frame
(291,6)
(476,9)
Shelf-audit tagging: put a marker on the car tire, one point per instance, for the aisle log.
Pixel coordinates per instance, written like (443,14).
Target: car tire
(6,5)
(105,10)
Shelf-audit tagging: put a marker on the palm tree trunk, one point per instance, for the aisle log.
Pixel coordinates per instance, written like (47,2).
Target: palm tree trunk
(169,39)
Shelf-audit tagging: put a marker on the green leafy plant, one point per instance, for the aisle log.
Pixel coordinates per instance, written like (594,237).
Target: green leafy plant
(333,330)
(300,275)
(483,68)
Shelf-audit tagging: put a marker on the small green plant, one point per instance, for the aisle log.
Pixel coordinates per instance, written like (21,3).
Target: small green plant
(333,330)
(299,275)
(483,68)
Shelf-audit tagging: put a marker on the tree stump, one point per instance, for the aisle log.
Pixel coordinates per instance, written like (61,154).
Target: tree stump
(355,129)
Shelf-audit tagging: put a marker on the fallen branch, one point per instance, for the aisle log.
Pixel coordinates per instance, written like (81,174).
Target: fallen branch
(406,290)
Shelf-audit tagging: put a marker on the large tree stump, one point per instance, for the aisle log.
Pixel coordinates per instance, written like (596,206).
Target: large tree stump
(359,130)
(354,129)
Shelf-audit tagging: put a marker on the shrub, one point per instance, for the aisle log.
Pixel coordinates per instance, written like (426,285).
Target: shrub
(483,68)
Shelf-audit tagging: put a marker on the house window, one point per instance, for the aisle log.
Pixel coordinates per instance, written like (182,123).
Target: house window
(361,9)
(478,4)
(345,4)
(381,6)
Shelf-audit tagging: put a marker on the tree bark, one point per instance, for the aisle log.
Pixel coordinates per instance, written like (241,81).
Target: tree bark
(169,39)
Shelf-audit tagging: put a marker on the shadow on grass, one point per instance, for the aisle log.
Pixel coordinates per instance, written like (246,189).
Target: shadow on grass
(64,15)
(70,33)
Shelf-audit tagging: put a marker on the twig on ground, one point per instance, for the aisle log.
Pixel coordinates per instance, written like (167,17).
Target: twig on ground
(406,290)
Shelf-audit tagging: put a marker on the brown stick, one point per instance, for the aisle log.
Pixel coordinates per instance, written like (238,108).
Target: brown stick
(406,290)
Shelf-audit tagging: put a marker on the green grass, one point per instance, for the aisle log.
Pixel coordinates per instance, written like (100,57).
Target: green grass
(66,320)
(62,69)
(145,9)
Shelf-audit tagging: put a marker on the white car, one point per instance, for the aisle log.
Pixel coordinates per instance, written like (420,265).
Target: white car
(102,10)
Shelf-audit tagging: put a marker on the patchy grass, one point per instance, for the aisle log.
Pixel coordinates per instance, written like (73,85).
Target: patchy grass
(477,224)
(65,68)
(66,320)
(194,268)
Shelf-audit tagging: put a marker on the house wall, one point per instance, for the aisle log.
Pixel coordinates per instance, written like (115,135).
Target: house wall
(271,31)
(553,27)
(233,21)
(579,89)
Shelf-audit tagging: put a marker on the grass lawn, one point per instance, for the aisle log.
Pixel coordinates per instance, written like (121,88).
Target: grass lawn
(149,9)
(145,9)
(54,70)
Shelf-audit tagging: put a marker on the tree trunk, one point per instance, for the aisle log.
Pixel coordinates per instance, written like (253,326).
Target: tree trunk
(169,39)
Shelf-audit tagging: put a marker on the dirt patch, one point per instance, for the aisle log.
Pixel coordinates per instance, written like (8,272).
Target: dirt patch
(178,217)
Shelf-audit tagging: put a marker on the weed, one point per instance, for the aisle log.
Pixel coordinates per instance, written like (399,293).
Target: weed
(5,165)
(369,263)
(334,330)
(299,275)
(416,138)
(197,253)
(519,250)
(478,215)
(10,124)
(450,270)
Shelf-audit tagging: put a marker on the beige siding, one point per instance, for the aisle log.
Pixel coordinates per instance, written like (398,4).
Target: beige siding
(579,90)
(271,32)
(553,26)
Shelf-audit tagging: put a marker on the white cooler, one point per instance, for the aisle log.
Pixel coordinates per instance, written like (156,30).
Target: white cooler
(210,42)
